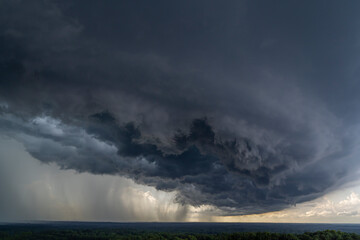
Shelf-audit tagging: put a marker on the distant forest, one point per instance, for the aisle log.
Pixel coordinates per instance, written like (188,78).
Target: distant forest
(113,234)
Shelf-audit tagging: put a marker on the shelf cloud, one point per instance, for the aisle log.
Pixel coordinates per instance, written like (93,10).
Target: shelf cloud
(247,106)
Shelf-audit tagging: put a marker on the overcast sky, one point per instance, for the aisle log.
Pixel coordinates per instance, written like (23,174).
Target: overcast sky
(179,110)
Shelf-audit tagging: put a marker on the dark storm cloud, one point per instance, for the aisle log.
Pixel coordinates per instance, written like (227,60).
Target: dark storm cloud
(248,106)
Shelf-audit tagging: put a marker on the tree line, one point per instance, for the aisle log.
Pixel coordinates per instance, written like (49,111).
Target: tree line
(113,234)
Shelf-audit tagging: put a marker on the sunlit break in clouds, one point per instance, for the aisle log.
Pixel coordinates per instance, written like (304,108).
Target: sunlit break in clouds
(179,110)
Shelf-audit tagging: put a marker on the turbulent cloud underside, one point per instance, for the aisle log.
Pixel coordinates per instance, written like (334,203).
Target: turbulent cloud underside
(198,98)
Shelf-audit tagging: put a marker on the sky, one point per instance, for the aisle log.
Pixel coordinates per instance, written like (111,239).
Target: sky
(180,110)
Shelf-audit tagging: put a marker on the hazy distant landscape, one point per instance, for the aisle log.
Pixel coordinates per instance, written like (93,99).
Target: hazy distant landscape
(114,234)
(190,231)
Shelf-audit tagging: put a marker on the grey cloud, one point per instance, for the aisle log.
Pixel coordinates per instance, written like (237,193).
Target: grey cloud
(203,169)
(228,104)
